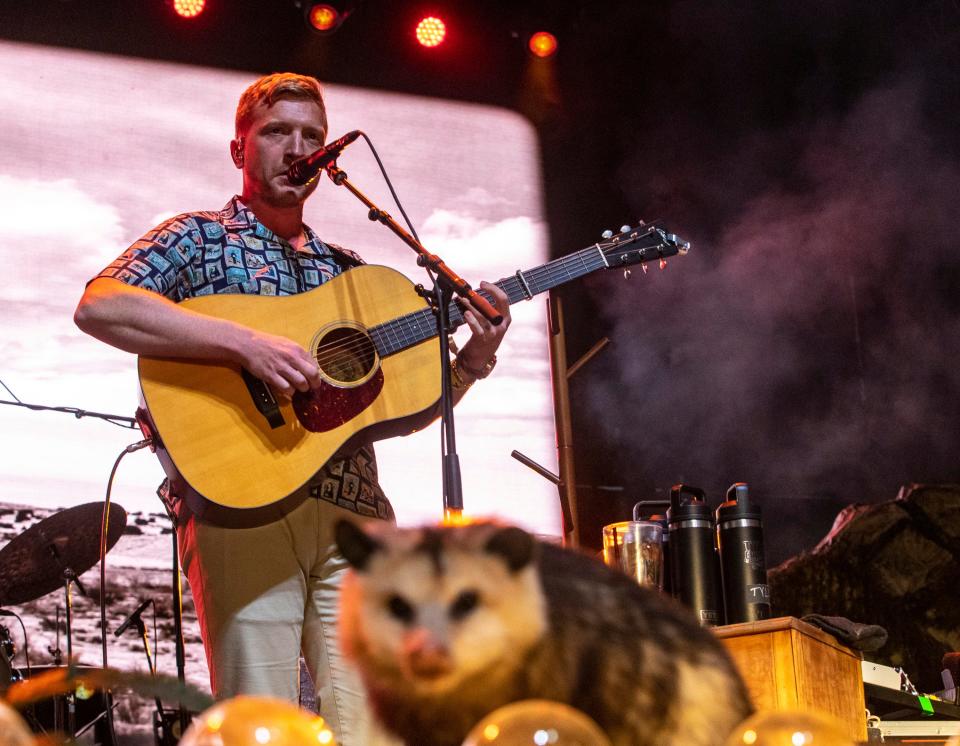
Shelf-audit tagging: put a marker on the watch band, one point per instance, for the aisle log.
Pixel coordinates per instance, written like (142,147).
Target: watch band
(485,370)
(456,376)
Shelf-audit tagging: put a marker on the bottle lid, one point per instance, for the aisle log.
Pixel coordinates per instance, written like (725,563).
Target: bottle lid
(737,505)
(688,503)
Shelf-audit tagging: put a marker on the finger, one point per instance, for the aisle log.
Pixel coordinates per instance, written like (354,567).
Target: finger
(471,318)
(494,290)
(483,320)
(280,386)
(500,298)
(297,380)
(500,301)
(484,326)
(308,368)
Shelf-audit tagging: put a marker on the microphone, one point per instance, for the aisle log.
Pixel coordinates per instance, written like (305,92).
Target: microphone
(133,618)
(301,171)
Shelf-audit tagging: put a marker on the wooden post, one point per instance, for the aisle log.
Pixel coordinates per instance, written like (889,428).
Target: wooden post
(560,374)
(561,413)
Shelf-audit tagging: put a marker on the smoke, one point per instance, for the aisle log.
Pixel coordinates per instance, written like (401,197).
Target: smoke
(808,342)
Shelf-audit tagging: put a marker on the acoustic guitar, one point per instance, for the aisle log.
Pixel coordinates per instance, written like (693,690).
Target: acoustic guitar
(373,336)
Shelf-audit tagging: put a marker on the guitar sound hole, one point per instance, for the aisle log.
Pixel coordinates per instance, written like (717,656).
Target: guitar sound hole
(346,355)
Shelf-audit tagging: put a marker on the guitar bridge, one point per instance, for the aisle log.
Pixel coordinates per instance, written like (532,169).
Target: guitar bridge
(263,399)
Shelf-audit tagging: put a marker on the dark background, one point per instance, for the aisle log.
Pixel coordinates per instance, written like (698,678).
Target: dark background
(807,344)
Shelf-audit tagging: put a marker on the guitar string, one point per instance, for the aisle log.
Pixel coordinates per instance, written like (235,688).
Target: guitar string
(547,273)
(535,277)
(551,273)
(329,352)
(420,323)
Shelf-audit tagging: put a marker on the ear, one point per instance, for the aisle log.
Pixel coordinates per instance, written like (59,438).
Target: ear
(236,152)
(355,544)
(514,545)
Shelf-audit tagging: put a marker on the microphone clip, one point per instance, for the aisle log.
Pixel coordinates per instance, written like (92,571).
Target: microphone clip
(134,618)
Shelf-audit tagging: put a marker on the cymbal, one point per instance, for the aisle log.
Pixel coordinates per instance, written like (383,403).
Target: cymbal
(33,563)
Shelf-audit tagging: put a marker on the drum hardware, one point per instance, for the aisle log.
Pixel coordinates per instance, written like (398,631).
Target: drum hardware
(55,651)
(46,712)
(8,674)
(162,724)
(51,682)
(52,554)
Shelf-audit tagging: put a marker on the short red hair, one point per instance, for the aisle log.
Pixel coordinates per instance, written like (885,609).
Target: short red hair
(271,88)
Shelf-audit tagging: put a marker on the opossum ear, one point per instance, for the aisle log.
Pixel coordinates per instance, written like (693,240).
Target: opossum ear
(355,544)
(514,545)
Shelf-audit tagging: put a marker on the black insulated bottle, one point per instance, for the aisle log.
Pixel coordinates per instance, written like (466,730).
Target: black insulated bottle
(746,595)
(693,556)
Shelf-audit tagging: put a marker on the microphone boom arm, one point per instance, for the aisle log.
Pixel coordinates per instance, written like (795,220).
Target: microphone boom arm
(424,258)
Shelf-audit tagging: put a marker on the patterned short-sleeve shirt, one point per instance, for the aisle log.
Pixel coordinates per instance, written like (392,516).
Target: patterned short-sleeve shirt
(230,251)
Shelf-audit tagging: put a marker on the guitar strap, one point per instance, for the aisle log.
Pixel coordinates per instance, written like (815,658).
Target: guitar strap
(347,258)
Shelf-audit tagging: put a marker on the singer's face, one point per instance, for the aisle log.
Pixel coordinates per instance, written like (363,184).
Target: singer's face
(276,137)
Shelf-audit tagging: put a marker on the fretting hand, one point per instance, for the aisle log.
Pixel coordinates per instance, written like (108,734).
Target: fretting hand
(485,338)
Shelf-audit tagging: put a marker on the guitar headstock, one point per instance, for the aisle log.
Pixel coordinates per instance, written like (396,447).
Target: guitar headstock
(640,245)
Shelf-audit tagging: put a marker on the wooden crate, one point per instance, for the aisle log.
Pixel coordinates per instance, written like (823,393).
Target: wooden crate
(789,664)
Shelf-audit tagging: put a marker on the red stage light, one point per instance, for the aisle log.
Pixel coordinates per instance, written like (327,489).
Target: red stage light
(431,31)
(188,8)
(543,44)
(323,17)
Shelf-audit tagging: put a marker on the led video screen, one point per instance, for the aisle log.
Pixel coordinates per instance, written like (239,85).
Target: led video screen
(98,149)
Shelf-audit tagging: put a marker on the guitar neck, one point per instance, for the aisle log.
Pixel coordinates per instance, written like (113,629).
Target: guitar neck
(412,329)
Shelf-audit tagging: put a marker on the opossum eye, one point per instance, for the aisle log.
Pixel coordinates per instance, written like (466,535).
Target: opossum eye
(400,609)
(463,604)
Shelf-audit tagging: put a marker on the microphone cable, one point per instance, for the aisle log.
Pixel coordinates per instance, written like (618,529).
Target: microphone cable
(104,532)
(393,192)
(129,423)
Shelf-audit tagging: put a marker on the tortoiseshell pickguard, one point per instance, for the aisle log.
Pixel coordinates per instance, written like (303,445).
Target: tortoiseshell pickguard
(322,409)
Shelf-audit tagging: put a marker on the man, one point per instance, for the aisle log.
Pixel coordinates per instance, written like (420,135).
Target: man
(266,592)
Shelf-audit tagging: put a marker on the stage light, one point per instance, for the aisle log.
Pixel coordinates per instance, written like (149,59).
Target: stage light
(431,31)
(543,44)
(323,17)
(326,18)
(188,8)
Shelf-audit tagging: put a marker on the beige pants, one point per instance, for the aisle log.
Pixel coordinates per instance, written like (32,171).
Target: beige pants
(266,594)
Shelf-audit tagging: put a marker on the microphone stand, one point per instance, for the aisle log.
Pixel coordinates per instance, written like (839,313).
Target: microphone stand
(136,620)
(448,283)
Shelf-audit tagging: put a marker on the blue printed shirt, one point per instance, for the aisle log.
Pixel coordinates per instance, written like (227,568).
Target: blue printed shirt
(229,251)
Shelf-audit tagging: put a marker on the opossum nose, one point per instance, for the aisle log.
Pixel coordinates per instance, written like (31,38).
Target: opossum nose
(428,656)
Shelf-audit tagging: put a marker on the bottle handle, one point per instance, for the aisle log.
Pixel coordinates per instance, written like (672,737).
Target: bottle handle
(679,490)
(638,507)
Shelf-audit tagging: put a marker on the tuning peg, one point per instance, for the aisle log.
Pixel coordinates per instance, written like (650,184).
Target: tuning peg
(644,268)
(607,234)
(624,228)
(663,263)
(626,274)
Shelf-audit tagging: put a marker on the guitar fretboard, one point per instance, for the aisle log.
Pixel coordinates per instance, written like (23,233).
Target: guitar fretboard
(407,331)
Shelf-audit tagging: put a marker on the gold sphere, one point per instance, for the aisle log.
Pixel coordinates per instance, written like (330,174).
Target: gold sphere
(790,728)
(536,722)
(257,721)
